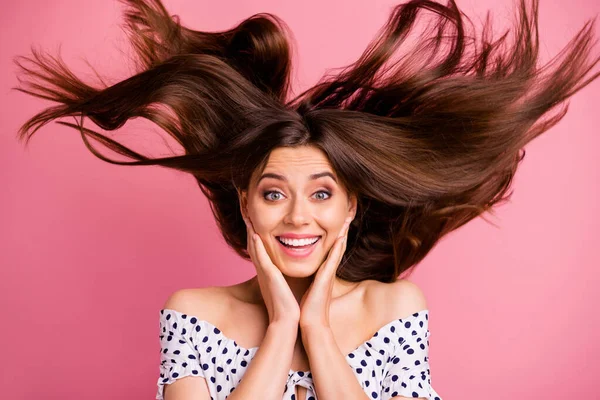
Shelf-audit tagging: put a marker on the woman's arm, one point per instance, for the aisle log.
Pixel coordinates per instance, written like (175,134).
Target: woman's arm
(267,374)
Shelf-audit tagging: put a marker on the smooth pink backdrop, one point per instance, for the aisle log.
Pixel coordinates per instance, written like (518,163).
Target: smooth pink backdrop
(90,251)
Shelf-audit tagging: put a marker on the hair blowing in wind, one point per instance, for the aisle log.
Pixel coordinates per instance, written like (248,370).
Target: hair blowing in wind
(427,136)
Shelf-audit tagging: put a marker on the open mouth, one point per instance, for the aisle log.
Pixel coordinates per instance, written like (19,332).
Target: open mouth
(298,243)
(298,248)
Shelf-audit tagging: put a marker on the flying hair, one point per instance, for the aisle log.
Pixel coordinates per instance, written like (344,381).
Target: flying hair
(427,137)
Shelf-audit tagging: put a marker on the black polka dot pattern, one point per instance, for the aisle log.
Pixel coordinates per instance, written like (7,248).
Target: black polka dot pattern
(406,372)
(393,362)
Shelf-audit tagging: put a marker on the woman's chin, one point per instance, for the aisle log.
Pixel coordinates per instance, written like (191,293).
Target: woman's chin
(298,269)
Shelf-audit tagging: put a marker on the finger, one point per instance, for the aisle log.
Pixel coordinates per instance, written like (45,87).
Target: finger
(330,264)
(261,253)
(339,242)
(346,227)
(341,250)
(250,240)
(345,238)
(257,250)
(337,251)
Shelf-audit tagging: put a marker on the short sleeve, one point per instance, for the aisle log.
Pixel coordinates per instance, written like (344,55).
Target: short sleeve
(407,372)
(179,356)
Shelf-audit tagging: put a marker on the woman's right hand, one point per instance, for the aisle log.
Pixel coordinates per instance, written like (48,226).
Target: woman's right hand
(279,300)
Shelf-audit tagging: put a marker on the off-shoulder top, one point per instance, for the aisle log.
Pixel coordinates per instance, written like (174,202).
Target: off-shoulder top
(393,362)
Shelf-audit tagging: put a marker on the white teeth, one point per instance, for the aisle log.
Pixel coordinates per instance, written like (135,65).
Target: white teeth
(298,242)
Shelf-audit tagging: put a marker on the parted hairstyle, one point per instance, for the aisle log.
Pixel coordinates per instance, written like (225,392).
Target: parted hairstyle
(427,141)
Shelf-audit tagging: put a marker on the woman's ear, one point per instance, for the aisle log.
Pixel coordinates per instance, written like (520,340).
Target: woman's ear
(352,206)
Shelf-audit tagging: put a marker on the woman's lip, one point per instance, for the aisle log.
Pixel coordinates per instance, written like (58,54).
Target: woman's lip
(296,236)
(298,253)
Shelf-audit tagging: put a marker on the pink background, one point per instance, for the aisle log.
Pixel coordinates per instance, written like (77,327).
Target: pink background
(90,251)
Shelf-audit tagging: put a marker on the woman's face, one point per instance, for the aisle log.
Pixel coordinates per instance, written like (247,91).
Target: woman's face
(297,194)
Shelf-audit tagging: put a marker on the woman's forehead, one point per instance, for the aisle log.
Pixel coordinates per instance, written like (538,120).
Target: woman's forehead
(303,159)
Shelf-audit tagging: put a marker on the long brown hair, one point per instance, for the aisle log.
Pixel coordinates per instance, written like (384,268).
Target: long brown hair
(426,142)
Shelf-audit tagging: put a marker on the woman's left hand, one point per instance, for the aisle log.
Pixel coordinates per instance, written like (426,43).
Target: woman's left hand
(314,305)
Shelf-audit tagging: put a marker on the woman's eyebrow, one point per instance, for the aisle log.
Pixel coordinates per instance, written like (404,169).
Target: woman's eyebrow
(310,177)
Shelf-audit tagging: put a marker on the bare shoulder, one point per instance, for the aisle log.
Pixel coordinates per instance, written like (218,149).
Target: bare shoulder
(407,295)
(208,303)
(398,299)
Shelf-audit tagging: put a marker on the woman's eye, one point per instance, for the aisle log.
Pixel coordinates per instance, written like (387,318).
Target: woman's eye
(267,194)
(273,195)
(325,192)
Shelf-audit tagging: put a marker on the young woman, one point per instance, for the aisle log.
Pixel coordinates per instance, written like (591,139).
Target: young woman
(333,194)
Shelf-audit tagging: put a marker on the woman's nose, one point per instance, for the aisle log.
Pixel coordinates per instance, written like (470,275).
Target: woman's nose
(298,213)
